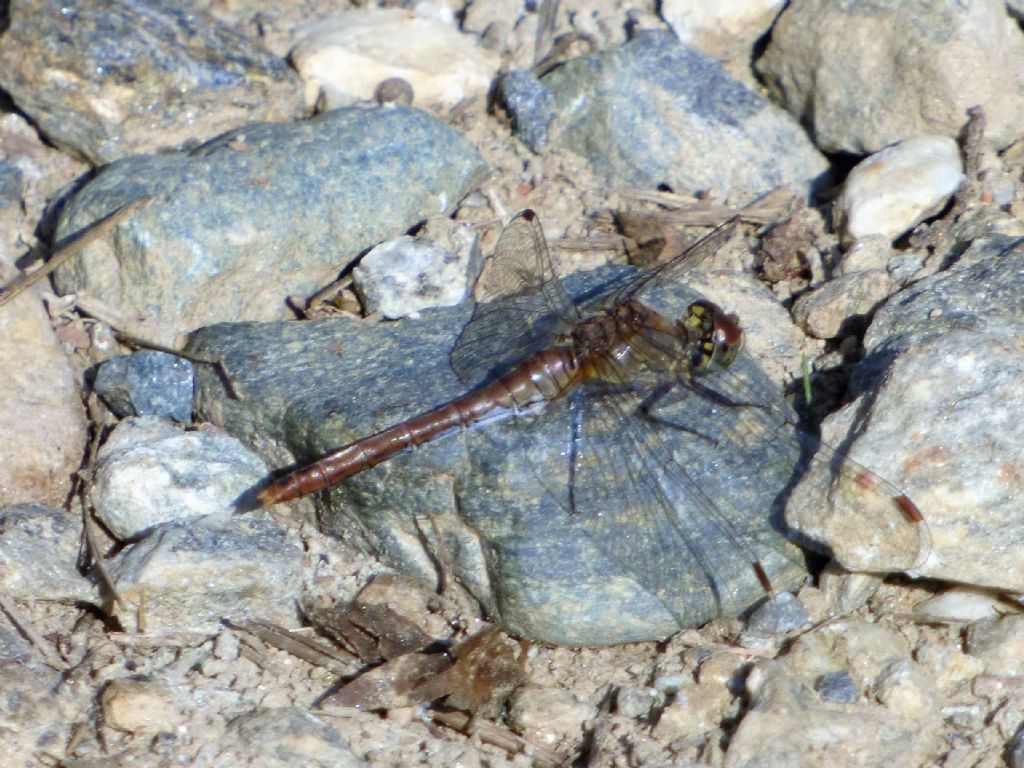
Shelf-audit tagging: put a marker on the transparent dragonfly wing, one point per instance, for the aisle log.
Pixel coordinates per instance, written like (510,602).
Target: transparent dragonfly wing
(675,270)
(887,532)
(656,498)
(521,305)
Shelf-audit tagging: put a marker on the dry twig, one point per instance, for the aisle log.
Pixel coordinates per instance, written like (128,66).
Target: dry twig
(91,235)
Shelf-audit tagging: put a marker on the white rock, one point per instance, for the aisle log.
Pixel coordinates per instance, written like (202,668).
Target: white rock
(719,27)
(961,603)
(897,188)
(344,57)
(151,472)
(407,274)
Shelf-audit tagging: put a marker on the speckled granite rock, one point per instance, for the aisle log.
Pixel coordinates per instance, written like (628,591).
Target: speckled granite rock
(493,492)
(105,80)
(654,111)
(263,212)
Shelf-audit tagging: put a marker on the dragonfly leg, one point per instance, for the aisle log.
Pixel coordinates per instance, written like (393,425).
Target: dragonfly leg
(647,409)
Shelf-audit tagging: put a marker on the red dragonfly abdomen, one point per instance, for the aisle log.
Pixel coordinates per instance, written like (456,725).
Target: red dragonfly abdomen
(540,378)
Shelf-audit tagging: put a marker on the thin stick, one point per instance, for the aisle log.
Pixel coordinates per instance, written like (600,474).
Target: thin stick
(331,659)
(25,627)
(83,480)
(91,235)
(497,736)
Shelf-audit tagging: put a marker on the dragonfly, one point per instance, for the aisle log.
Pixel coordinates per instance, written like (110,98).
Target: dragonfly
(629,374)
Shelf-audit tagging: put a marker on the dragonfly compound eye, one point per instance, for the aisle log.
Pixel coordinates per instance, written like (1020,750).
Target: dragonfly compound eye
(718,337)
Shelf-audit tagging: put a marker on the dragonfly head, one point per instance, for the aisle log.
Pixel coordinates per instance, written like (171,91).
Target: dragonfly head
(716,336)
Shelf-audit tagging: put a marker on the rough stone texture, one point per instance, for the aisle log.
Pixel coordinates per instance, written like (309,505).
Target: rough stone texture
(791,723)
(147,383)
(42,423)
(531,106)
(191,575)
(656,112)
(827,311)
(11,179)
(937,415)
(34,709)
(105,80)
(999,643)
(536,568)
(784,613)
(408,274)
(343,58)
(725,30)
(285,737)
(866,73)
(38,551)
(263,212)
(150,472)
(897,188)
(139,706)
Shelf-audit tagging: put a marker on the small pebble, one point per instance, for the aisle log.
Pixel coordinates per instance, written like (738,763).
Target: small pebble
(139,706)
(784,613)
(635,701)
(403,276)
(549,716)
(697,709)
(903,688)
(838,687)
(895,189)
(226,646)
(999,643)
(961,603)
(393,90)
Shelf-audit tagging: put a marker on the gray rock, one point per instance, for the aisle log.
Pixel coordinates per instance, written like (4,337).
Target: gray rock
(654,111)
(838,687)
(403,276)
(531,106)
(494,492)
(190,575)
(897,90)
(842,304)
(34,707)
(1015,749)
(151,472)
(147,383)
(10,184)
(937,415)
(999,643)
(106,80)
(285,737)
(262,212)
(38,552)
(784,613)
